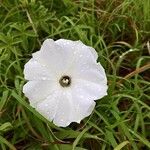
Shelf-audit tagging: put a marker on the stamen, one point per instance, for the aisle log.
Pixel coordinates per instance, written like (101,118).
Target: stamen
(65,81)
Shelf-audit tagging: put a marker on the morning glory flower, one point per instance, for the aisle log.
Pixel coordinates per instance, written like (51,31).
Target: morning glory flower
(64,80)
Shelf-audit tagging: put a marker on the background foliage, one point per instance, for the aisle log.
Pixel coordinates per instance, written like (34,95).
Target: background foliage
(120,32)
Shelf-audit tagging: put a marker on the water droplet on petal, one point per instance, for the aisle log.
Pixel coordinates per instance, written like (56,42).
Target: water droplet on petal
(44,78)
(75,52)
(46,105)
(81,96)
(61,120)
(43,65)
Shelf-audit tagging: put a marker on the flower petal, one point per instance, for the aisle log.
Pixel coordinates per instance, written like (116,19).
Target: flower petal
(38,90)
(56,107)
(82,106)
(64,108)
(49,106)
(77,47)
(52,56)
(80,55)
(62,117)
(35,71)
(89,90)
(91,72)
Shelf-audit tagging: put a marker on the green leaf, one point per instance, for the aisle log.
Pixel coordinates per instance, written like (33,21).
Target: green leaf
(3,99)
(121,145)
(111,138)
(69,147)
(6,126)
(4,141)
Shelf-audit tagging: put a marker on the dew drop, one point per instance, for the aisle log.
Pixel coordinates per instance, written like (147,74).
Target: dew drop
(75,52)
(44,78)
(43,65)
(81,96)
(46,105)
(61,120)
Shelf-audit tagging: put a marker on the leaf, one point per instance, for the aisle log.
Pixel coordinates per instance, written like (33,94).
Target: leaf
(142,139)
(79,137)
(69,147)
(111,138)
(66,134)
(6,126)
(3,140)
(121,145)
(3,99)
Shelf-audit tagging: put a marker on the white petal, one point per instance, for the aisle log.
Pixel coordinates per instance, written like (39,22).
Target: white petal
(62,117)
(72,108)
(91,72)
(36,71)
(49,106)
(78,53)
(38,90)
(82,106)
(89,90)
(63,108)
(63,55)
(77,47)
(52,56)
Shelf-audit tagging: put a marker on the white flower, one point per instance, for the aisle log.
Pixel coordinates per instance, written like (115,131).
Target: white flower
(64,80)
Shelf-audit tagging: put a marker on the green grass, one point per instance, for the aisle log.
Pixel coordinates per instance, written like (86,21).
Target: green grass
(120,32)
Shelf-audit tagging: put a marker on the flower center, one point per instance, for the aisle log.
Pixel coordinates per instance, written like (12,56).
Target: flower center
(65,81)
